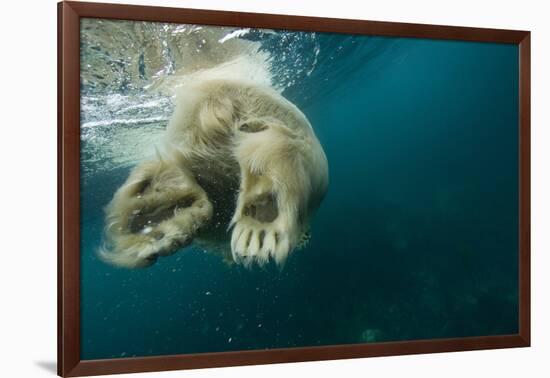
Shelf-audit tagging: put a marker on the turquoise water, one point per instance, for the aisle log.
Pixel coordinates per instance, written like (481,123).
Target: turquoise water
(416,238)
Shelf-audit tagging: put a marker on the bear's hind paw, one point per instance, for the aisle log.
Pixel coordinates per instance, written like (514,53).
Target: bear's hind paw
(152,215)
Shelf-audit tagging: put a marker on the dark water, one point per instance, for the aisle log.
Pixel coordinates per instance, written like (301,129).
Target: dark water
(417,237)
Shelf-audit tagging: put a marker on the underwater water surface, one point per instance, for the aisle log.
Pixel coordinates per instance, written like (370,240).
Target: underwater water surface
(416,239)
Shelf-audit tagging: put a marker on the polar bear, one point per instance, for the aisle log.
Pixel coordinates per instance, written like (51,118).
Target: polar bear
(240,171)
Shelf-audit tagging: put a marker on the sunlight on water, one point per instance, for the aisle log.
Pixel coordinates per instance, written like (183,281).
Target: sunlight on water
(130,69)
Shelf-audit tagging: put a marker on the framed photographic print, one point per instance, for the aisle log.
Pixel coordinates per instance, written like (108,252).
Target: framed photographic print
(239,188)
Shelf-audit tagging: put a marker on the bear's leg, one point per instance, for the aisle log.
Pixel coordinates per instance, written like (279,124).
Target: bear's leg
(273,195)
(154,213)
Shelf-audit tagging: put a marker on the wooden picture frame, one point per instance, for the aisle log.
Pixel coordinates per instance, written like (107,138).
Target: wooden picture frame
(69,361)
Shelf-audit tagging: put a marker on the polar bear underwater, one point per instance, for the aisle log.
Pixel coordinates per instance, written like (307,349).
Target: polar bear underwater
(239,171)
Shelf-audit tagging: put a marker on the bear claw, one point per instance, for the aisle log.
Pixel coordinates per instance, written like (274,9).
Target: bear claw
(256,243)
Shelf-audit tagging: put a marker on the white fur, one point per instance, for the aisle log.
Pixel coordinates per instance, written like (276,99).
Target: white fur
(227,140)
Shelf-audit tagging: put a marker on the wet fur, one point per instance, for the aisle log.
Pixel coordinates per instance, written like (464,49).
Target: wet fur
(240,167)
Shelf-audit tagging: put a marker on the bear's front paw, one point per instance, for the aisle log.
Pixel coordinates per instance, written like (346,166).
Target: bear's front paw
(255,242)
(261,233)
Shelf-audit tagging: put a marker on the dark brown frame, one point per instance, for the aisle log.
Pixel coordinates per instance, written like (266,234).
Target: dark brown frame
(69,14)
